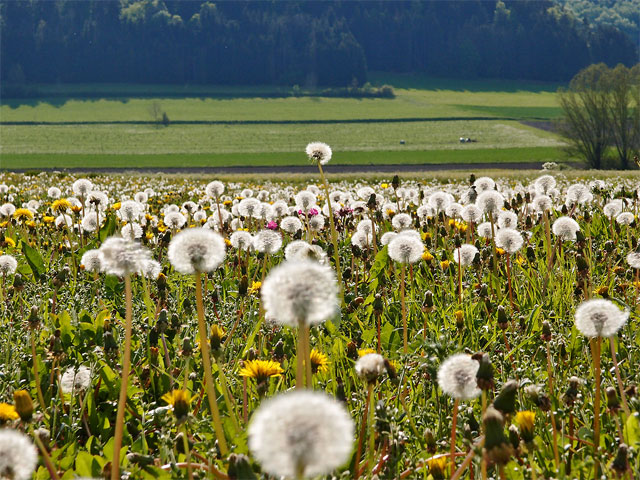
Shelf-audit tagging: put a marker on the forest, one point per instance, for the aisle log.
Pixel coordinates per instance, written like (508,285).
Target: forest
(305,43)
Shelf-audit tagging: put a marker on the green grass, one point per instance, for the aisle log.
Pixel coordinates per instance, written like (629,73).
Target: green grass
(209,139)
(12,161)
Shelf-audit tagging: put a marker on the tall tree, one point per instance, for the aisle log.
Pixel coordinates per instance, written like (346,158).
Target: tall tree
(624,111)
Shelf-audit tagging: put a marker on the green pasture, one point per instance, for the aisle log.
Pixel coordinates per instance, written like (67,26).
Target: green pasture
(413,157)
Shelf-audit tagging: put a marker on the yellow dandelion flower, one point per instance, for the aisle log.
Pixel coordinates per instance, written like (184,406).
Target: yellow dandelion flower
(30,223)
(261,370)
(459,314)
(61,205)
(23,214)
(162,228)
(8,412)
(390,212)
(452,222)
(438,467)
(216,334)
(116,206)
(227,242)
(520,260)
(526,420)
(149,235)
(24,404)
(48,219)
(319,362)
(384,186)
(444,264)
(226,203)
(76,209)
(500,251)
(426,256)
(179,401)
(10,241)
(365,351)
(255,287)
(604,290)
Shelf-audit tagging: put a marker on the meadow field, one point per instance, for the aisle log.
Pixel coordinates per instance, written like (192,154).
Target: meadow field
(438,326)
(244,126)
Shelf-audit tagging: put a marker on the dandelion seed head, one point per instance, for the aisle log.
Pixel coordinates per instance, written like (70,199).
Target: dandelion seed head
(406,248)
(214,189)
(386,237)
(544,184)
(301,250)
(82,187)
(141,197)
(613,208)
(8,265)
(361,239)
(267,241)
(92,260)
(509,240)
(490,202)
(457,377)
(454,210)
(316,223)
(578,194)
(542,203)
(248,207)
(484,184)
(54,192)
(196,250)
(151,269)
(75,380)
(599,318)
(319,152)
(633,259)
(7,209)
(471,214)
(485,230)
(466,254)
(122,257)
(565,228)
(291,224)
(300,291)
(301,430)
(305,200)
(131,230)
(130,211)
(507,219)
(402,221)
(370,366)
(89,222)
(241,240)
(174,220)
(18,455)
(439,201)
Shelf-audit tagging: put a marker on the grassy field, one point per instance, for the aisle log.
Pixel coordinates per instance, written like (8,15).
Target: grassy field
(436,113)
(412,157)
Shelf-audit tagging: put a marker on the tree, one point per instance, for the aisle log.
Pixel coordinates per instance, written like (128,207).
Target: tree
(587,113)
(624,111)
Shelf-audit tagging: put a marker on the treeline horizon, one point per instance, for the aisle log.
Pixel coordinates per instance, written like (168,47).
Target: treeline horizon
(306,43)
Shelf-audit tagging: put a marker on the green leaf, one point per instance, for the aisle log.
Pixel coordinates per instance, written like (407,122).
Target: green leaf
(632,430)
(108,229)
(380,263)
(34,259)
(83,464)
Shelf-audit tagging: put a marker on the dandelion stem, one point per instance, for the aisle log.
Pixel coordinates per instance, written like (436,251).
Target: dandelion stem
(300,357)
(36,372)
(45,456)
(206,361)
(371,419)
(187,450)
(405,338)
(623,395)
(334,233)
(307,356)
(556,456)
(595,353)
(363,432)
(454,425)
(509,281)
(126,366)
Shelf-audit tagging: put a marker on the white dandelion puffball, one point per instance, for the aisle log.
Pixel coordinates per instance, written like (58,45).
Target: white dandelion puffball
(625,218)
(196,250)
(465,254)
(316,223)
(214,189)
(599,318)
(454,210)
(370,366)
(509,240)
(613,208)
(151,269)
(305,200)
(545,184)
(75,380)
(485,230)
(490,202)
(578,193)
(440,201)
(18,455)
(457,377)
(301,433)
(361,239)
(406,248)
(301,250)
(131,230)
(291,224)
(174,220)
(241,240)
(319,152)
(633,259)
(565,228)
(267,241)
(402,221)
(386,237)
(471,214)
(92,260)
(82,187)
(130,211)
(122,257)
(8,265)
(141,197)
(507,220)
(542,203)
(54,192)
(483,184)
(300,292)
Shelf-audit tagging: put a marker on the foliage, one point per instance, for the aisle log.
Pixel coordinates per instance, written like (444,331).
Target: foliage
(602,109)
(310,44)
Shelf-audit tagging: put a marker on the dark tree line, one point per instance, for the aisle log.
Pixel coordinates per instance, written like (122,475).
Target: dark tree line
(308,43)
